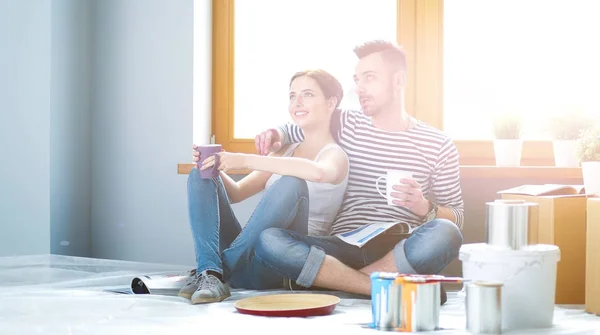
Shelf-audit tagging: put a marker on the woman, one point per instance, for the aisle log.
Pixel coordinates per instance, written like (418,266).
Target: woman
(318,166)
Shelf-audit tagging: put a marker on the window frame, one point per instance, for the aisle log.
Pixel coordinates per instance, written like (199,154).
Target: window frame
(419,31)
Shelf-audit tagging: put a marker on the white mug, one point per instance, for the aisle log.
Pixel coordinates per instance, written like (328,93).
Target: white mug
(392,177)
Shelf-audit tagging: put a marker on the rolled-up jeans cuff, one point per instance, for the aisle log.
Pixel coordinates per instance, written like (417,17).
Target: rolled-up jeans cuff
(402,263)
(311,267)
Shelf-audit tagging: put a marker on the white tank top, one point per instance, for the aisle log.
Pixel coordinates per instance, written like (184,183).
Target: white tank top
(324,199)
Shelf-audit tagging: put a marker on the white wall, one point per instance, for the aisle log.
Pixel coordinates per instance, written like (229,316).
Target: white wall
(44,127)
(24,127)
(142,127)
(70,140)
(96,110)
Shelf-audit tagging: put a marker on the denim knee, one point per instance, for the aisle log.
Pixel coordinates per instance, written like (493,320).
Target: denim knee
(447,232)
(269,245)
(430,248)
(280,251)
(196,182)
(289,184)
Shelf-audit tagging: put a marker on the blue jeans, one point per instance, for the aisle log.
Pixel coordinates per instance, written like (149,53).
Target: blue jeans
(223,246)
(428,250)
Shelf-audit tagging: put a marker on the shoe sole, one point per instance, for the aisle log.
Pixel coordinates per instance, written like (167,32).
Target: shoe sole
(185,295)
(198,301)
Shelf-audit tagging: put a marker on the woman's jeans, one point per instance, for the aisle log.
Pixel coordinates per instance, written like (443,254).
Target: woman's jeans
(220,242)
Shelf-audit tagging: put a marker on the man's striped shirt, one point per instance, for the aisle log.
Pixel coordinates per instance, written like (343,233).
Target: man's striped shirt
(425,151)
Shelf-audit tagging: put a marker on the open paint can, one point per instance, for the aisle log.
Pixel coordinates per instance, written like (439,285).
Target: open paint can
(420,305)
(407,303)
(385,301)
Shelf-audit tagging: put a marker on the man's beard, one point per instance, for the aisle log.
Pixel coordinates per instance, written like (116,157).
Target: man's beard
(372,110)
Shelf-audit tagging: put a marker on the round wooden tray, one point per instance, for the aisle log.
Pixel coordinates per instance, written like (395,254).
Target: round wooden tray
(288,305)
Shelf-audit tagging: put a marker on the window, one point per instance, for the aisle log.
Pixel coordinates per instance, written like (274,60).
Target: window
(466,60)
(258,45)
(533,57)
(274,39)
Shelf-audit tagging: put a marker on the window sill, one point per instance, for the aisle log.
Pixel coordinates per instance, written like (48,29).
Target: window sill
(471,153)
(479,172)
(186,168)
(525,172)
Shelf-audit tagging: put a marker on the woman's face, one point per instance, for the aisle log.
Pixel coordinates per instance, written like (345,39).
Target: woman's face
(308,106)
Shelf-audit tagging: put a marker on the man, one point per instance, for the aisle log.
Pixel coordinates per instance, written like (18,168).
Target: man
(427,214)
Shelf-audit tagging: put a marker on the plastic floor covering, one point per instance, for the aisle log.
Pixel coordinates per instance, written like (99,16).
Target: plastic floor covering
(52,294)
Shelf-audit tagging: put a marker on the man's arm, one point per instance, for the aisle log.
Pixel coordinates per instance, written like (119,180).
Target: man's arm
(446,185)
(290,133)
(446,213)
(276,138)
(445,188)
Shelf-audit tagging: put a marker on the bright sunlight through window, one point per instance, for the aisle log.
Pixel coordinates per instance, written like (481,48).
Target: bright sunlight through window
(274,39)
(534,57)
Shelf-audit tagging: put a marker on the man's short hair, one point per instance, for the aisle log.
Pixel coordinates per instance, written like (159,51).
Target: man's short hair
(391,53)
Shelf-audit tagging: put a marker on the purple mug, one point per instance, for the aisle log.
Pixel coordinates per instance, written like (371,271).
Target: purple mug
(206,151)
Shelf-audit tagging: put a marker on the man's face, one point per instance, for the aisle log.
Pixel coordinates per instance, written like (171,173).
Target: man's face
(375,83)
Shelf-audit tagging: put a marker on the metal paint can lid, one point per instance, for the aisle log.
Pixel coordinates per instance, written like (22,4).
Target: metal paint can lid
(511,203)
(487,283)
(384,275)
(416,278)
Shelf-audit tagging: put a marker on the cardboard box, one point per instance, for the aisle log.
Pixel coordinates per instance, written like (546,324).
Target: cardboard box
(592,280)
(560,220)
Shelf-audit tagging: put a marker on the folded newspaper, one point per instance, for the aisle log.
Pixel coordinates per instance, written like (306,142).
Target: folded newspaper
(364,234)
(161,283)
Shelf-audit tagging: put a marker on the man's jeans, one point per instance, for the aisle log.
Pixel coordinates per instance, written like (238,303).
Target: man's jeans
(428,250)
(223,246)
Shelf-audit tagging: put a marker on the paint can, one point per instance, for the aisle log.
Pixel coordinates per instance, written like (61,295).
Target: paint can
(508,223)
(483,305)
(420,304)
(385,301)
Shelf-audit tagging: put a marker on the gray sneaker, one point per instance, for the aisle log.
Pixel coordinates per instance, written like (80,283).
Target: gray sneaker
(210,289)
(191,285)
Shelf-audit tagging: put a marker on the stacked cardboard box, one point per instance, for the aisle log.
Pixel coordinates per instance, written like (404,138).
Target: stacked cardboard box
(592,288)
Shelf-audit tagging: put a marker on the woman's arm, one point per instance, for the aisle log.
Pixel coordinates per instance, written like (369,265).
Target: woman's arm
(236,191)
(331,167)
(245,188)
(249,185)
